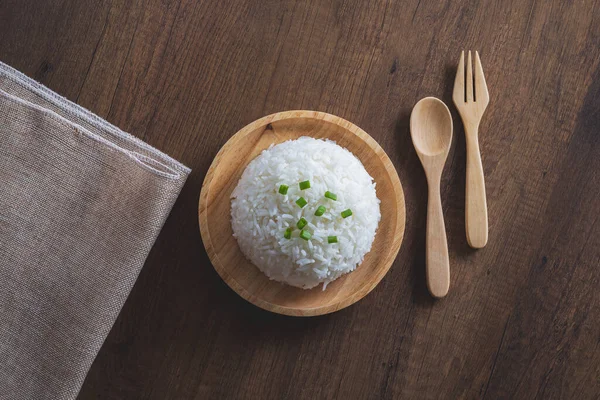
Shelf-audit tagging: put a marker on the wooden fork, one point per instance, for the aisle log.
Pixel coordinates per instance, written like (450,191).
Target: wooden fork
(471,104)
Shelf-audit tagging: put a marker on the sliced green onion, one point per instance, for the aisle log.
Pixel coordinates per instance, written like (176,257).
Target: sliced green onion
(301,202)
(283,189)
(320,211)
(288,233)
(331,239)
(305,234)
(304,185)
(301,223)
(346,213)
(330,195)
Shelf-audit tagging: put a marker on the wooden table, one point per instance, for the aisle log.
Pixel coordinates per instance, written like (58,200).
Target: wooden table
(522,318)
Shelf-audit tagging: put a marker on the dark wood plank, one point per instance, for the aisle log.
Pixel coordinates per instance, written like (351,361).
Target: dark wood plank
(523,316)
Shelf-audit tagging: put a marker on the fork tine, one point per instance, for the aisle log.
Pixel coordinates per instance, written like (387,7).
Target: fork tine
(470,96)
(459,82)
(480,85)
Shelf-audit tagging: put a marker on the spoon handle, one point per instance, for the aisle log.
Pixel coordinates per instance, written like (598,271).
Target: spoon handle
(438,264)
(476,220)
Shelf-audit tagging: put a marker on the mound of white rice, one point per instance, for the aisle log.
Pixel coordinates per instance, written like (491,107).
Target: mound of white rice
(260,215)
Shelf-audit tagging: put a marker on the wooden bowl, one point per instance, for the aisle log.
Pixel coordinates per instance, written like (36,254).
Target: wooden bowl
(215,219)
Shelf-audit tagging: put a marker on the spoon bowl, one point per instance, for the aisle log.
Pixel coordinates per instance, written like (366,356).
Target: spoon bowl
(431,127)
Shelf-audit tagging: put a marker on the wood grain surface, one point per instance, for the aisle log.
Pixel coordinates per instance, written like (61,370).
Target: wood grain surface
(214,214)
(523,317)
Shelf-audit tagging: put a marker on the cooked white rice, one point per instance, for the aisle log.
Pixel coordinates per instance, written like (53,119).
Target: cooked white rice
(260,215)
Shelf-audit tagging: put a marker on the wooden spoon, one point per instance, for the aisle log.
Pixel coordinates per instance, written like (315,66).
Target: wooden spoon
(431,131)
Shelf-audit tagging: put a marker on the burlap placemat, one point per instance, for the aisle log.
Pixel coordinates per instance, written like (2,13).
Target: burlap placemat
(81,204)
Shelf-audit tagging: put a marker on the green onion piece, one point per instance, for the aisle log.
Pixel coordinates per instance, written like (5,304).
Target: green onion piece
(346,213)
(301,223)
(288,233)
(283,189)
(305,234)
(301,202)
(304,185)
(320,211)
(330,195)
(331,239)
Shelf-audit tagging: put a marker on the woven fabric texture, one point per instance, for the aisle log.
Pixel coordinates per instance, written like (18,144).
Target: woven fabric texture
(81,204)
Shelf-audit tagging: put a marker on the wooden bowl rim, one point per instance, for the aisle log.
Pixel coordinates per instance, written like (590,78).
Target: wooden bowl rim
(398,231)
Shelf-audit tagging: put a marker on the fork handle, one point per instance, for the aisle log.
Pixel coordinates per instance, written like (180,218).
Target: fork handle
(437,261)
(476,220)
